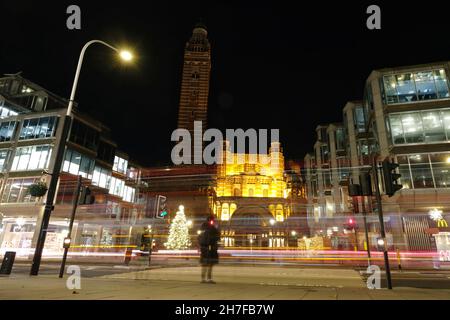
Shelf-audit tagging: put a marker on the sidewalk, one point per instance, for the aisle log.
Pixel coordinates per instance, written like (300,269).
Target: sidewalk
(159,286)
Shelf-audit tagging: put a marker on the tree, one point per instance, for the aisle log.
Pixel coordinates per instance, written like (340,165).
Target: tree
(179,232)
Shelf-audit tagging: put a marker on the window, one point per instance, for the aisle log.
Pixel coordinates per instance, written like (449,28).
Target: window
(420,127)
(26,89)
(324,154)
(421,171)
(84,135)
(4,154)
(106,152)
(129,194)
(412,128)
(117,187)
(6,112)
(39,103)
(359,119)
(425,86)
(78,164)
(32,158)
(16,190)
(441,169)
(433,126)
(425,170)
(340,139)
(225,216)
(120,165)
(343,169)
(418,86)
(404,171)
(7,130)
(38,128)
(101,177)
(396,129)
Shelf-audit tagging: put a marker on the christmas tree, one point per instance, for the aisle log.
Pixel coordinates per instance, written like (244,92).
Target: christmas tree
(179,232)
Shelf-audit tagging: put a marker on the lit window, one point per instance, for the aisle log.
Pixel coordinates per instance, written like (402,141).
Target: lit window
(32,158)
(38,128)
(16,190)
(101,177)
(120,165)
(7,130)
(3,158)
(413,87)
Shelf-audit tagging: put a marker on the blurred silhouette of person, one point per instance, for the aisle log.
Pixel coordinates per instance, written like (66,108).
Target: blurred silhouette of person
(208,241)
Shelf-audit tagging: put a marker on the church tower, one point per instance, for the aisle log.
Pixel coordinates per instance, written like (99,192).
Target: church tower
(195,83)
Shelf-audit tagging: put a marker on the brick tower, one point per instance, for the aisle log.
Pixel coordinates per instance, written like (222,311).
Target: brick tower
(195,83)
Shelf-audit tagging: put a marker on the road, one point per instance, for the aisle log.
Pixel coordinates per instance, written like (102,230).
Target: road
(236,282)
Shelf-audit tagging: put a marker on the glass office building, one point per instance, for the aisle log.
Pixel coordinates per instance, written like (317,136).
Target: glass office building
(31,121)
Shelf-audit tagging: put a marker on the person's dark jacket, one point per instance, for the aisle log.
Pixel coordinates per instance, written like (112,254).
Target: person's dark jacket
(208,242)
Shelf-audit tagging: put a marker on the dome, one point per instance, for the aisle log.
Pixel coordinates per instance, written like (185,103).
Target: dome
(200,25)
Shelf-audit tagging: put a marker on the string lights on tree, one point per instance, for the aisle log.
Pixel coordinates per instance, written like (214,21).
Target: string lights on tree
(179,232)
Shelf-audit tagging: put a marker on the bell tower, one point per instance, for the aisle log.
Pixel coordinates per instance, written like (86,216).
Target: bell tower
(195,83)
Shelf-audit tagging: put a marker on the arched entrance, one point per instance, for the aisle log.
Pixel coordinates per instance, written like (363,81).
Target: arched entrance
(250,226)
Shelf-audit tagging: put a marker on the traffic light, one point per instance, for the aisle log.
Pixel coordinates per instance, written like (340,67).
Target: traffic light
(161,207)
(351,224)
(86,196)
(390,177)
(366,184)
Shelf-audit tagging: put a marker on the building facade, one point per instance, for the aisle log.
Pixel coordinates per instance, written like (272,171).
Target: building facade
(404,116)
(31,122)
(256,200)
(409,113)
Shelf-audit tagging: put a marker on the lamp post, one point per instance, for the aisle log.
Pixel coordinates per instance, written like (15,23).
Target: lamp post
(52,189)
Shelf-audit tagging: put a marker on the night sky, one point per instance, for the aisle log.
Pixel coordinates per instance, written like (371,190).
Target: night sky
(282,65)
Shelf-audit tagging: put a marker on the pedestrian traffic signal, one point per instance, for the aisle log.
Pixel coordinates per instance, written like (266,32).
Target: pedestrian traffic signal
(86,196)
(390,177)
(351,224)
(161,207)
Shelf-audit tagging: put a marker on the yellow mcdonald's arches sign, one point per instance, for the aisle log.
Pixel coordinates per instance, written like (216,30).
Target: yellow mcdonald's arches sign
(441,223)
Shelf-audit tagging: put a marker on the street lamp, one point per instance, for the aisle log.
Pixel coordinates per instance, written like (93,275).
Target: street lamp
(125,55)
(51,193)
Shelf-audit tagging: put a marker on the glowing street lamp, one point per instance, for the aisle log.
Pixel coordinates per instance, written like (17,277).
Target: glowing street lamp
(189,223)
(272,221)
(293,233)
(126,55)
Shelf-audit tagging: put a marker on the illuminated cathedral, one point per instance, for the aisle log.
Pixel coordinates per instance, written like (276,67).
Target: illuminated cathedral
(252,198)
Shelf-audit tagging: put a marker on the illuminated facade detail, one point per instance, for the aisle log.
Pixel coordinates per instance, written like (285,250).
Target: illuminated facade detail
(261,177)
(252,198)
(436,215)
(195,82)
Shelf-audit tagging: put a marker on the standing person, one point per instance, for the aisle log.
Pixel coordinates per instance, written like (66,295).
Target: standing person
(208,242)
